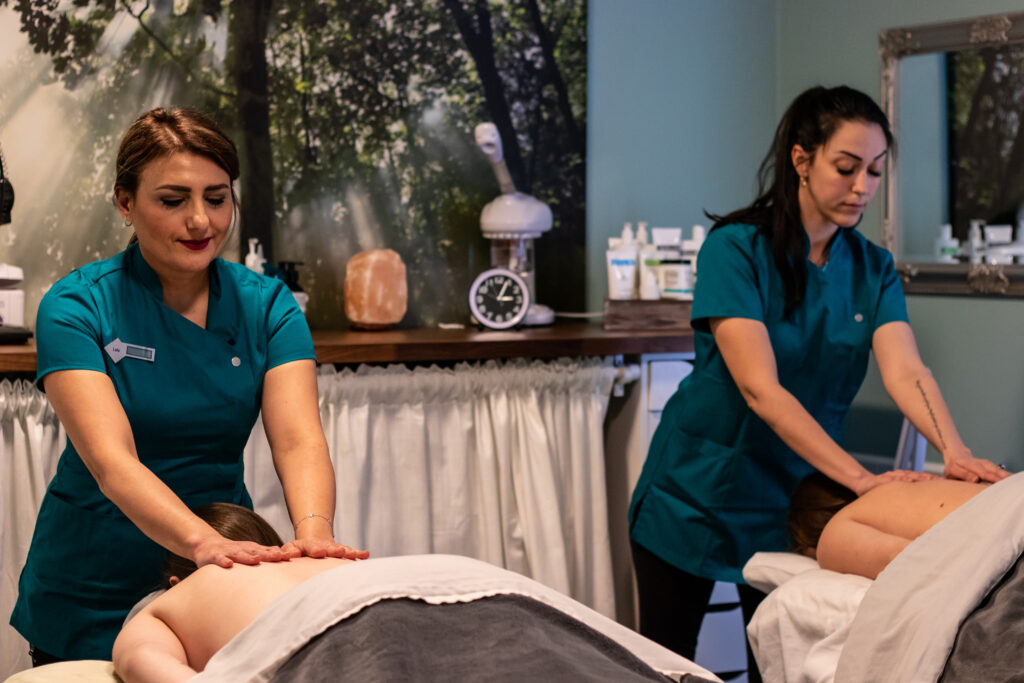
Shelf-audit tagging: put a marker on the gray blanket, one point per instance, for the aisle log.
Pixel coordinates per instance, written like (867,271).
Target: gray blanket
(500,638)
(300,616)
(990,644)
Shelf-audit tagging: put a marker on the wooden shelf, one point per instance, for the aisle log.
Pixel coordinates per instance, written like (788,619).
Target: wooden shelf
(432,344)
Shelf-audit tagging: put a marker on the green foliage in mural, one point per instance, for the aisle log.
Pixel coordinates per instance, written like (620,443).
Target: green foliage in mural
(354,119)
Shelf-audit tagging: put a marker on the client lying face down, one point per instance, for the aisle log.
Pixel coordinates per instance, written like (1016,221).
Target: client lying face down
(502,636)
(862,535)
(173,637)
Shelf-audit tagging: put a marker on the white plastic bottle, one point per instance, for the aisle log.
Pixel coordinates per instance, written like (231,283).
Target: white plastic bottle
(641,234)
(946,246)
(691,248)
(254,259)
(976,240)
(629,243)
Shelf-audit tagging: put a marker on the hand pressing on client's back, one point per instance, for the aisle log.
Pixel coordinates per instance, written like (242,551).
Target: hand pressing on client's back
(875,480)
(321,547)
(225,552)
(963,465)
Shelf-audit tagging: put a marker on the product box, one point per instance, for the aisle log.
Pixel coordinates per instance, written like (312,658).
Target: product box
(646,314)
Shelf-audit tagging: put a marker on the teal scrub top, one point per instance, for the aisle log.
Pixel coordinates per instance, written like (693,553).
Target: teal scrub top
(192,396)
(716,485)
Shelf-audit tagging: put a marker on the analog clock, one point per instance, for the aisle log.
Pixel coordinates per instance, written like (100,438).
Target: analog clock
(499,298)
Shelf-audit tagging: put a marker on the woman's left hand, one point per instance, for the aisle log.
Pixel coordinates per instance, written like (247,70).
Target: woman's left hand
(322,547)
(965,466)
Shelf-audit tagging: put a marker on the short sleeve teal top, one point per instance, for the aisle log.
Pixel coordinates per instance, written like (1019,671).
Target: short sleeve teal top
(716,484)
(192,396)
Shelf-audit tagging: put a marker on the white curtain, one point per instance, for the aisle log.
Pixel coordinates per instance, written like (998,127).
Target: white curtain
(503,462)
(31,440)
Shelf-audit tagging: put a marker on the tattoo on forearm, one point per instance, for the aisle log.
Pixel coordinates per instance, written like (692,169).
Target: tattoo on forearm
(931,412)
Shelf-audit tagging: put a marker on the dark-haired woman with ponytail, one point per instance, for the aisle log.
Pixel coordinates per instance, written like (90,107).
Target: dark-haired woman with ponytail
(789,302)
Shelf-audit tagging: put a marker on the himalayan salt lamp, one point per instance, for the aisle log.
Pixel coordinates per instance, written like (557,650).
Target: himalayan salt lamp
(375,289)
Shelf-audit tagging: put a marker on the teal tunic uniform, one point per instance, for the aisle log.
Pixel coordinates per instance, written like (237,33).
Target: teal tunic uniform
(192,396)
(716,484)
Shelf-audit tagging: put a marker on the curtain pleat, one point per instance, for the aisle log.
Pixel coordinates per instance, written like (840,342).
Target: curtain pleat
(31,440)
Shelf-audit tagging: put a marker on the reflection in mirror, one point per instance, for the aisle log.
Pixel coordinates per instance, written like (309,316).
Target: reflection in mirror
(955,191)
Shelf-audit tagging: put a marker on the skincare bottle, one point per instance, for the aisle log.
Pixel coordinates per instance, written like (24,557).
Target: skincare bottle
(627,234)
(254,259)
(621,260)
(976,241)
(946,246)
(675,279)
(691,247)
(667,239)
(641,234)
(649,262)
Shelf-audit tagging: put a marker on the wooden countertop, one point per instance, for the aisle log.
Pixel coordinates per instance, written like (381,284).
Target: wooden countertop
(432,344)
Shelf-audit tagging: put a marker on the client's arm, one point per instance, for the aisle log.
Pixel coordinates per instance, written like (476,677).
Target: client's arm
(148,651)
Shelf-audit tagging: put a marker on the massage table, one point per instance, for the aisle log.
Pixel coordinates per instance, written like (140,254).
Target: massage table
(934,611)
(341,597)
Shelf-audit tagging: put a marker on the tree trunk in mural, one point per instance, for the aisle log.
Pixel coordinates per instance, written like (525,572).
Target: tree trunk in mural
(480,43)
(553,75)
(248,36)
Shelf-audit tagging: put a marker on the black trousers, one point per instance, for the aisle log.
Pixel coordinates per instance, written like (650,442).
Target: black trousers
(39,658)
(673,604)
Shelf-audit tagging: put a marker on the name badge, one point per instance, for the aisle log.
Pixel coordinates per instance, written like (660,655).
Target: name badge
(118,349)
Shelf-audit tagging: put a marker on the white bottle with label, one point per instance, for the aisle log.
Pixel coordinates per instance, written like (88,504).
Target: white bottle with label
(946,246)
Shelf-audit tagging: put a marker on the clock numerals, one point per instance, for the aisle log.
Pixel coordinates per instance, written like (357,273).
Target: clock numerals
(499,299)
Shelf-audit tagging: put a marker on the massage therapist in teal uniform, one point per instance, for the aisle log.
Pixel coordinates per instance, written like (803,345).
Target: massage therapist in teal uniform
(790,300)
(158,362)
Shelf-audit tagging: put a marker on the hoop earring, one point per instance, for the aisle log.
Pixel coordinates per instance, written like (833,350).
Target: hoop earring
(127,222)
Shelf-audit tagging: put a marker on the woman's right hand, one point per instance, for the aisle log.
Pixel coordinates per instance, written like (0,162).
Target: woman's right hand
(225,552)
(874,480)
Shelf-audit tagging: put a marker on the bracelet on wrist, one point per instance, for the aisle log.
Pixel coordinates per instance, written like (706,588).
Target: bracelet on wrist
(310,516)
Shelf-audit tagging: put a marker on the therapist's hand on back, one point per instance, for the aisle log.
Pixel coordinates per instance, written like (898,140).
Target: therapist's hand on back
(323,547)
(225,552)
(875,480)
(963,465)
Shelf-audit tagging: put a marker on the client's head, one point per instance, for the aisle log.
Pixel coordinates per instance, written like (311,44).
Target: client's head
(816,500)
(233,522)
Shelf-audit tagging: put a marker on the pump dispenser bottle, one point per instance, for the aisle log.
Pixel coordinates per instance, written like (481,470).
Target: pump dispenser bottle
(254,259)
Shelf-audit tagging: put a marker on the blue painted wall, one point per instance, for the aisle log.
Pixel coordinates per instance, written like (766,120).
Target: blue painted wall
(683,99)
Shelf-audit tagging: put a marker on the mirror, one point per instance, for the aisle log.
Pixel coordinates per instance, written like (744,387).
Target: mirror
(954,93)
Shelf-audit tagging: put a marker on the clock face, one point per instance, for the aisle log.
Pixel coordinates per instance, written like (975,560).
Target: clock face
(499,298)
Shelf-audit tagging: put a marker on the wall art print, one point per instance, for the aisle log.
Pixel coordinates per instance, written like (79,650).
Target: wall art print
(354,119)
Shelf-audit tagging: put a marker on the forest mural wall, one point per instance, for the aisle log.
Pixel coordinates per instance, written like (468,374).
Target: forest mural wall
(354,119)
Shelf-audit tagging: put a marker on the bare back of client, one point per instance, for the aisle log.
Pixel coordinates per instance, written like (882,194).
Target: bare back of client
(198,616)
(865,535)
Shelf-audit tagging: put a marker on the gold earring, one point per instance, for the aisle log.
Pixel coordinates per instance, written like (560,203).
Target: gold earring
(803,181)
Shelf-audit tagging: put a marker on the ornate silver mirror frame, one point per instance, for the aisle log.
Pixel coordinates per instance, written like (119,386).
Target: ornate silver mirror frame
(894,44)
